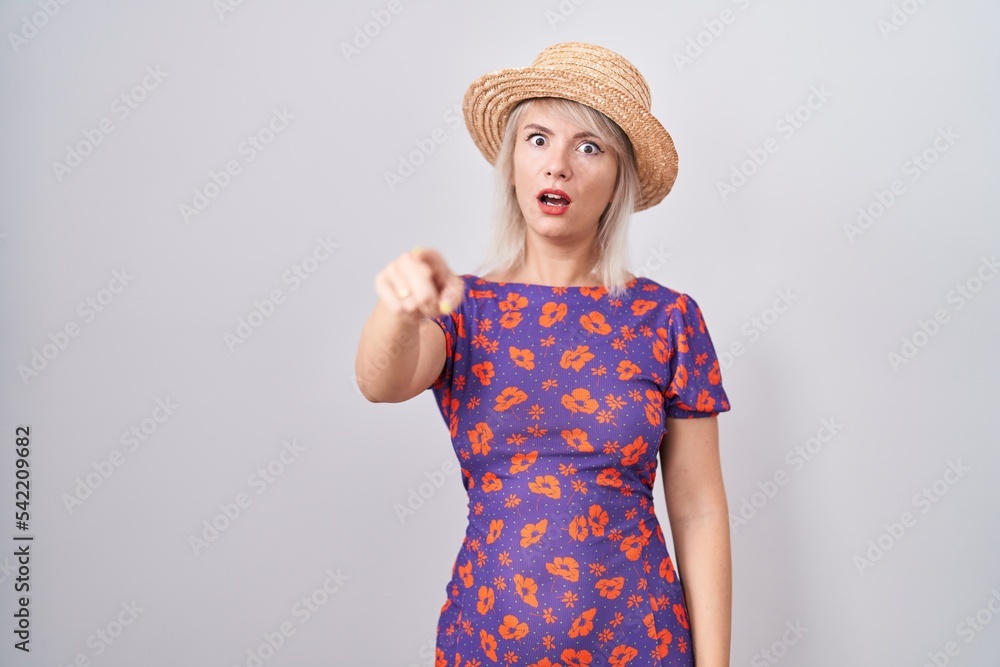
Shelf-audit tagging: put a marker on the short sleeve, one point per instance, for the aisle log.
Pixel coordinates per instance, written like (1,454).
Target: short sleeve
(453,326)
(695,388)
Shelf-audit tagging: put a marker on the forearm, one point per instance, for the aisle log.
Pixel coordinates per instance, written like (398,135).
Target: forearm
(387,355)
(704,561)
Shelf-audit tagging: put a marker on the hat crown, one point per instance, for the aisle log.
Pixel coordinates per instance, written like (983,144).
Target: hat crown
(606,68)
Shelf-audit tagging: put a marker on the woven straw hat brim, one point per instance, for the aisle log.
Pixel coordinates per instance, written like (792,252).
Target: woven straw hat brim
(490,99)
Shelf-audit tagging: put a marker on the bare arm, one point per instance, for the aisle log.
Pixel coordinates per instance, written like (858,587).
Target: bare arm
(401,351)
(397,358)
(699,522)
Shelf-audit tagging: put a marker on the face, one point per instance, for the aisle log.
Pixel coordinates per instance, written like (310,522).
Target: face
(564,176)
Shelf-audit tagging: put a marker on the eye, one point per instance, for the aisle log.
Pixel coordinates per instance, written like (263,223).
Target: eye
(537,139)
(590,148)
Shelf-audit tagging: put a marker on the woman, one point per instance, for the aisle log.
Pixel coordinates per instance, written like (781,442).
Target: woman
(561,377)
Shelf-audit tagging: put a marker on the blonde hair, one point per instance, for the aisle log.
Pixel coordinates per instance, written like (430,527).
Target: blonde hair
(506,251)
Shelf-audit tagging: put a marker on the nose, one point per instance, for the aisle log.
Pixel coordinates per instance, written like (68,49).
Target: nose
(558,165)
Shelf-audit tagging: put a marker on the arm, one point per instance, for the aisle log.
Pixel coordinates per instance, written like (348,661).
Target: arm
(397,357)
(402,351)
(699,522)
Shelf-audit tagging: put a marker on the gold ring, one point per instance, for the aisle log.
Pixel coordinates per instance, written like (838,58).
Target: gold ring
(403,293)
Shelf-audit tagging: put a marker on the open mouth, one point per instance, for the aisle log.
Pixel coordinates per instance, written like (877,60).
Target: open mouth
(556,199)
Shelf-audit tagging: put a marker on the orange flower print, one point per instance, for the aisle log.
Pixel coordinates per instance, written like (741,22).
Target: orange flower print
(544,662)
(609,477)
(480,438)
(565,567)
(642,306)
(578,528)
(496,527)
(577,658)
(583,624)
(484,372)
(627,370)
(680,379)
(486,599)
(512,628)
(532,532)
(514,301)
(576,358)
(680,611)
(632,544)
(524,358)
(579,400)
(633,450)
(597,520)
(577,439)
(521,461)
(508,398)
(555,400)
(663,636)
(526,588)
(491,482)
(594,323)
(465,573)
(546,485)
(551,313)
(705,401)
(489,644)
(622,655)
(714,374)
(661,346)
(610,588)
(511,319)
(667,569)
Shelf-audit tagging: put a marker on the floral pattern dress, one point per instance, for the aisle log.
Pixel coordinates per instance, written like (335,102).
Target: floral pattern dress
(556,399)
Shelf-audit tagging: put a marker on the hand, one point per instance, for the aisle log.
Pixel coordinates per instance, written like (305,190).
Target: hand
(419,284)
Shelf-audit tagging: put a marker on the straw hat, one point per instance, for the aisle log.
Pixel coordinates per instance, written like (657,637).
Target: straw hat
(590,75)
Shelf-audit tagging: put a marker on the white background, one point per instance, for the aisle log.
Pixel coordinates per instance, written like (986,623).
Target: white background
(64,233)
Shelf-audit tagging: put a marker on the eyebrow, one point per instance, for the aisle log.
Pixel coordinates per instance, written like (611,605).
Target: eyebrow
(542,128)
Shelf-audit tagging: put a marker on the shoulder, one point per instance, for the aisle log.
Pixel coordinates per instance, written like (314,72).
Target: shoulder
(669,297)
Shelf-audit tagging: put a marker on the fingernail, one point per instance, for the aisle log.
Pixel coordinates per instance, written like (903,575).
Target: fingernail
(444,306)
(416,249)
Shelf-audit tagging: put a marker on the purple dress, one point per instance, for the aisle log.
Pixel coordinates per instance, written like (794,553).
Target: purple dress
(555,399)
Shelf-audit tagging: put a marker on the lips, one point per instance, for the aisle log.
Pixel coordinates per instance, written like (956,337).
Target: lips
(553,202)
